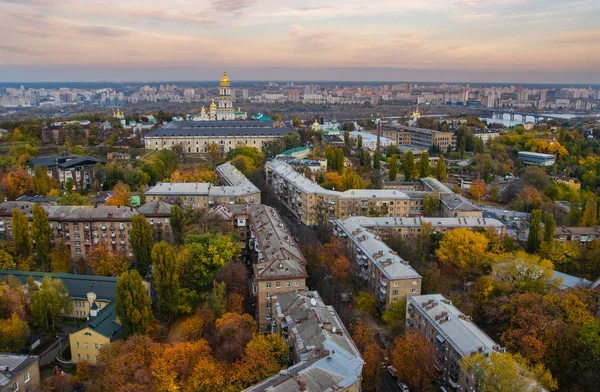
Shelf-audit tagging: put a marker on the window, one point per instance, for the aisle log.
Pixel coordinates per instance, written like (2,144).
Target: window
(277,285)
(26,377)
(88,334)
(87,357)
(79,357)
(287,284)
(268,285)
(86,345)
(297,283)
(15,386)
(77,344)
(95,346)
(395,292)
(396,284)
(414,291)
(96,357)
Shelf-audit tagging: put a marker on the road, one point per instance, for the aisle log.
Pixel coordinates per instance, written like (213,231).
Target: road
(388,383)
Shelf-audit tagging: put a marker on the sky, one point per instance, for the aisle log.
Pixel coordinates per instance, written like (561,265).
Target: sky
(528,41)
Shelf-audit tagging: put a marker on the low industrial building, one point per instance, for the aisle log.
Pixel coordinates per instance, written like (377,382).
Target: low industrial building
(325,357)
(536,158)
(582,235)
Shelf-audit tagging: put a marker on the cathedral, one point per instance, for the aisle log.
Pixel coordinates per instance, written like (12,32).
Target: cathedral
(223,109)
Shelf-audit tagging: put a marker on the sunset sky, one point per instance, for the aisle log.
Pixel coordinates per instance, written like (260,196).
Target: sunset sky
(548,41)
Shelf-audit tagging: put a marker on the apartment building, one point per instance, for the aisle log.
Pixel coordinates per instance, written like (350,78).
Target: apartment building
(82,228)
(313,204)
(453,335)
(385,274)
(277,262)
(325,357)
(236,189)
(20,373)
(410,227)
(66,166)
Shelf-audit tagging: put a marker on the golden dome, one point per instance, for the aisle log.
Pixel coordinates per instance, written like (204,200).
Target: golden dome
(203,110)
(213,106)
(225,80)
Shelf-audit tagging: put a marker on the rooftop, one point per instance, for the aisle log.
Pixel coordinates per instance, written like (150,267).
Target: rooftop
(452,325)
(366,222)
(179,188)
(78,285)
(63,161)
(287,172)
(456,202)
(282,256)
(15,364)
(105,323)
(235,178)
(328,358)
(570,281)
(221,128)
(88,213)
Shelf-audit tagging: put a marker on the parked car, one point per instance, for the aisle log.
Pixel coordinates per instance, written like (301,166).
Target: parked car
(402,387)
(392,371)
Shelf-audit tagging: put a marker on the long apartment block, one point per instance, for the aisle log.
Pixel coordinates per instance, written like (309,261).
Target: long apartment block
(83,228)
(386,275)
(278,264)
(453,335)
(235,189)
(411,226)
(323,354)
(312,203)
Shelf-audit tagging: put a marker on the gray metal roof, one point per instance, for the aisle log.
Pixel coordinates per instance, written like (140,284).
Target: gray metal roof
(220,128)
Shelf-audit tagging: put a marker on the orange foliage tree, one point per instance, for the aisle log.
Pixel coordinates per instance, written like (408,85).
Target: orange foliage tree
(121,195)
(17,183)
(478,189)
(413,359)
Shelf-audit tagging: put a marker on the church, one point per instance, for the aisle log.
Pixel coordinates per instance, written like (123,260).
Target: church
(222,109)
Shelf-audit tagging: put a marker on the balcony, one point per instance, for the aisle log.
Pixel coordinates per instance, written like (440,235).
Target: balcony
(103,227)
(383,290)
(121,227)
(383,282)
(113,242)
(382,298)
(113,235)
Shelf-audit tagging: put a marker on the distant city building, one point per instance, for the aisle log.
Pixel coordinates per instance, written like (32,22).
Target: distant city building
(57,132)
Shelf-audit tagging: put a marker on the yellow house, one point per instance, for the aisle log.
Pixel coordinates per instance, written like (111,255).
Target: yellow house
(102,329)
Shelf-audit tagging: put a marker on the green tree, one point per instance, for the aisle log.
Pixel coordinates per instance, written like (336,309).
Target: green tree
(217,301)
(365,302)
(209,252)
(424,168)
(441,169)
(177,222)
(393,167)
(395,313)
(142,242)
(367,160)
(346,137)
(51,303)
(41,181)
(166,278)
(21,237)
(60,258)
(431,204)
(359,141)
(377,160)
(41,233)
(408,166)
(590,213)
(251,152)
(132,304)
(549,226)
(13,334)
(535,231)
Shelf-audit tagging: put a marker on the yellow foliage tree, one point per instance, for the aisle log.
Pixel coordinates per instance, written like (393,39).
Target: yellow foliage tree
(463,248)
(121,195)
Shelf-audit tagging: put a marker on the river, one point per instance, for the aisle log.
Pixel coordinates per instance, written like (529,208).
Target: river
(506,121)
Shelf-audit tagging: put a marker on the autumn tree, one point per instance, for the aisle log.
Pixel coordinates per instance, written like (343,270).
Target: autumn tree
(333,180)
(13,334)
(505,372)
(522,272)
(534,239)
(243,164)
(41,233)
(395,313)
(408,166)
(463,248)
(133,306)
(431,204)
(166,278)
(51,303)
(6,261)
(340,269)
(530,198)
(21,237)
(351,179)
(265,355)
(365,303)
(41,181)
(589,217)
(234,332)
(393,173)
(413,357)
(549,227)
(362,335)
(215,152)
(216,300)
(373,356)
(177,222)
(17,183)
(441,169)
(121,195)
(359,141)
(478,189)
(104,262)
(142,241)
(60,258)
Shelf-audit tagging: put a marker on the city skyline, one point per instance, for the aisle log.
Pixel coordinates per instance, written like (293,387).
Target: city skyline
(520,41)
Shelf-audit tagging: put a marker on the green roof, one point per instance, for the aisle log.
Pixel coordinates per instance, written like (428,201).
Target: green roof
(105,322)
(296,149)
(78,285)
